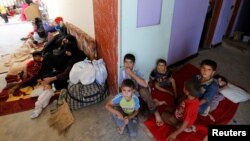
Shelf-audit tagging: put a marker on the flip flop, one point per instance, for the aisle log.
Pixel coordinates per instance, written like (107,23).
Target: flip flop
(23,39)
(53,107)
(62,96)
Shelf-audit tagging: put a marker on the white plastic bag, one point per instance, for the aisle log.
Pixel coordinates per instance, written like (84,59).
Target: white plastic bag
(82,71)
(100,71)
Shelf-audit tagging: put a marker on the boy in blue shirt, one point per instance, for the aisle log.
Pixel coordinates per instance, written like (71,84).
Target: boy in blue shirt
(125,107)
(209,87)
(141,85)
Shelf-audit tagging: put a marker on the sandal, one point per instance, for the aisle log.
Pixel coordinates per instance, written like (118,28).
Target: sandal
(23,39)
(62,96)
(53,107)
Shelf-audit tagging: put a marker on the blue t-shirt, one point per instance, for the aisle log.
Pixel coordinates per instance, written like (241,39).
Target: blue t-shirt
(208,90)
(128,107)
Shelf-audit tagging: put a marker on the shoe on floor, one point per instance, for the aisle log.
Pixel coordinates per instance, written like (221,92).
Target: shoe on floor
(53,107)
(23,39)
(34,115)
(62,96)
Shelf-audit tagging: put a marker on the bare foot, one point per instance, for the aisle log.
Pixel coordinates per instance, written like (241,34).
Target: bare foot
(121,129)
(158,119)
(160,103)
(211,117)
(190,129)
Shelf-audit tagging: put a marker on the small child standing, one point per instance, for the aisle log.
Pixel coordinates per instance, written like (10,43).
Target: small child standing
(184,116)
(125,107)
(162,78)
(42,100)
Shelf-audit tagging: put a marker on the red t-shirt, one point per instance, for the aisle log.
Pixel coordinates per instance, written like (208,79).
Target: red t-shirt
(187,111)
(33,68)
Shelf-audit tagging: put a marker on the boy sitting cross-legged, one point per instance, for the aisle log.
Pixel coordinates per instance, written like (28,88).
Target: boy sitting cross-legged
(125,107)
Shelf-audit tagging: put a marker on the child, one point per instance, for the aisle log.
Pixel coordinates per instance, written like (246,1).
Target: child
(209,87)
(42,100)
(141,85)
(125,107)
(222,82)
(162,77)
(186,113)
(26,77)
(38,35)
(32,69)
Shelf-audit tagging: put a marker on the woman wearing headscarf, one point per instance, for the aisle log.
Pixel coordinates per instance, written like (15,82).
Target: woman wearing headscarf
(57,71)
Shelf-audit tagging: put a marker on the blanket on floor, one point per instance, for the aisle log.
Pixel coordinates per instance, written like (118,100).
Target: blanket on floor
(23,102)
(223,114)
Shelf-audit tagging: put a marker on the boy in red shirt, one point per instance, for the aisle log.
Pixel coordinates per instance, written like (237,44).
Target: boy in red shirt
(32,69)
(27,77)
(184,116)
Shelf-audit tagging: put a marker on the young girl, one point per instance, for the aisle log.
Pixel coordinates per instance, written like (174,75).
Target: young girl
(162,78)
(125,107)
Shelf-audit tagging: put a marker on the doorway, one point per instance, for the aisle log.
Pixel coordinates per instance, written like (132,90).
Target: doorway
(210,23)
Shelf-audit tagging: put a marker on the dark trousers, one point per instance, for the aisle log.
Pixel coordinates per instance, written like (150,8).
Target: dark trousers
(5,17)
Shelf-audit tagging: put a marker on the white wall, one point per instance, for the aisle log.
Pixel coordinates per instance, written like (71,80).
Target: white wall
(77,12)
(146,43)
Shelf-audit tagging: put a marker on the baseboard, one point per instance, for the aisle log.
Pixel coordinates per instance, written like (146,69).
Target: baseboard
(216,45)
(181,62)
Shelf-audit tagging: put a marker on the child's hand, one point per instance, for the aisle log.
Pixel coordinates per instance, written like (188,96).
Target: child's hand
(46,80)
(172,137)
(126,120)
(129,71)
(120,116)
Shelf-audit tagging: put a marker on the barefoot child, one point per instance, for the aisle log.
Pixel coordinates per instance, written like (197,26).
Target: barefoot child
(162,78)
(124,108)
(184,116)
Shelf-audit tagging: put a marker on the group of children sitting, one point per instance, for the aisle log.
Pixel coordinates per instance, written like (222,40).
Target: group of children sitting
(201,97)
(201,93)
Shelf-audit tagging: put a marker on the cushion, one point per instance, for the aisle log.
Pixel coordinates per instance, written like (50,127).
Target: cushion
(235,94)
(85,42)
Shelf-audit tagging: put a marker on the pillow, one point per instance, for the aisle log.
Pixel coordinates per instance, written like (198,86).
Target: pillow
(235,94)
